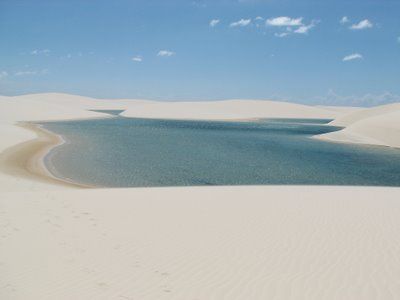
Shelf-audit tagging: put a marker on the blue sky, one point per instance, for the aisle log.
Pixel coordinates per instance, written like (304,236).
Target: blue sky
(309,51)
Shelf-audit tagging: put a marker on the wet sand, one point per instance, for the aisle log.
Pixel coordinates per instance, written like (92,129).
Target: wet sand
(27,159)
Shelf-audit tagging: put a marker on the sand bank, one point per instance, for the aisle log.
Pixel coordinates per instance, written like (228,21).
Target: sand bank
(26,159)
(376,126)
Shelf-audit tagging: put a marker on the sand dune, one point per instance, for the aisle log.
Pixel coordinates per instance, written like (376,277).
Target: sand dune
(201,243)
(62,242)
(53,106)
(342,109)
(377,126)
(229,109)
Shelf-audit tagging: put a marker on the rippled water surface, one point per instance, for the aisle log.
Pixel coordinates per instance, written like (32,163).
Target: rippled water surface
(125,152)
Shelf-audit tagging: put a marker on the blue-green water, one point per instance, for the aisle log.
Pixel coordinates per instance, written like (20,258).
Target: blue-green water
(124,152)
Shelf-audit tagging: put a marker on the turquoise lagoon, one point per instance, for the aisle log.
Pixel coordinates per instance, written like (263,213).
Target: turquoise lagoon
(126,152)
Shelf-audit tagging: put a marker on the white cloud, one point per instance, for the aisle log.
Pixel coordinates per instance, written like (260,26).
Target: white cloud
(241,23)
(258,18)
(364,24)
(214,22)
(344,20)
(284,21)
(165,53)
(304,29)
(199,4)
(3,74)
(137,58)
(40,51)
(352,57)
(75,55)
(23,73)
(301,29)
(31,72)
(282,34)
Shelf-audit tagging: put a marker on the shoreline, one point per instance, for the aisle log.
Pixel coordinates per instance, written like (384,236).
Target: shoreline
(26,159)
(344,137)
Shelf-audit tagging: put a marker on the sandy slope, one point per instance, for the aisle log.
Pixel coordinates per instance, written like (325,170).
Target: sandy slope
(276,243)
(378,126)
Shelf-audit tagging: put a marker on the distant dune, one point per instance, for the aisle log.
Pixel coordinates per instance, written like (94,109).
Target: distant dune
(229,109)
(63,106)
(377,126)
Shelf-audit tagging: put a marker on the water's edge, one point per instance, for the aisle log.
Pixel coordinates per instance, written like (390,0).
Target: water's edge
(26,159)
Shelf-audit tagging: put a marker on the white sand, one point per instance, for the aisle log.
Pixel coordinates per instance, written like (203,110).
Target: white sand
(201,243)
(377,126)
(60,242)
(229,109)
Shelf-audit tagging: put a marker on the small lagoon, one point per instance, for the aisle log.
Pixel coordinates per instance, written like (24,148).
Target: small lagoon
(126,152)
